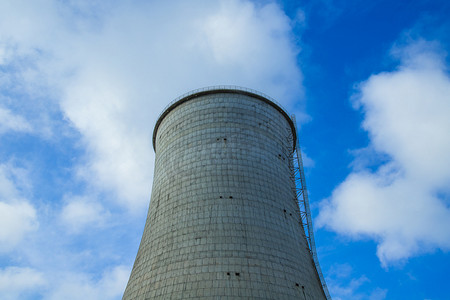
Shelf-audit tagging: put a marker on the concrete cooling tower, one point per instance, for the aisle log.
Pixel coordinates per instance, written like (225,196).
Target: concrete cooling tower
(225,221)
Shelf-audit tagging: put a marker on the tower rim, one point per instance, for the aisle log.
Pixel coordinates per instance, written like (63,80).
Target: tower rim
(218,90)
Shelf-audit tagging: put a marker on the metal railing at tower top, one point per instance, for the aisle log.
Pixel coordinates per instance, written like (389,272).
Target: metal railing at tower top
(221,87)
(301,195)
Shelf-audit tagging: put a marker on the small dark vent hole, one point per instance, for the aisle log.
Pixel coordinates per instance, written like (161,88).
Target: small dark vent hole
(225,139)
(296,284)
(237,274)
(303,287)
(231,197)
(220,197)
(228,273)
(290,215)
(218,139)
(284,210)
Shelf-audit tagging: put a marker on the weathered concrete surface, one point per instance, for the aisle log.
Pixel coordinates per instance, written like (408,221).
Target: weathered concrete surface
(223,222)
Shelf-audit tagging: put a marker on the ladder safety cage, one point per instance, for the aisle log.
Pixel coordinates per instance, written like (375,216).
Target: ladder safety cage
(302,200)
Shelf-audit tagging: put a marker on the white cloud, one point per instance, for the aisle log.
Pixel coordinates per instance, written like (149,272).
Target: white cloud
(16,220)
(28,283)
(253,40)
(16,282)
(12,122)
(80,212)
(17,215)
(343,284)
(78,286)
(307,161)
(22,26)
(404,204)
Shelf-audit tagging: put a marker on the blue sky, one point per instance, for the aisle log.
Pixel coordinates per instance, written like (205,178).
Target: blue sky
(82,83)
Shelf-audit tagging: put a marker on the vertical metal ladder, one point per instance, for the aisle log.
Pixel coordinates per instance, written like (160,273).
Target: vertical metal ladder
(302,200)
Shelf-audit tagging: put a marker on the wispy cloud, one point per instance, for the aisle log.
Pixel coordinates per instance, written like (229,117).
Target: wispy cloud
(11,122)
(72,286)
(80,212)
(16,283)
(343,284)
(17,215)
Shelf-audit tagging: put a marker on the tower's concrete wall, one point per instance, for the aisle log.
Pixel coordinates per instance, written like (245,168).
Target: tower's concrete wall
(223,222)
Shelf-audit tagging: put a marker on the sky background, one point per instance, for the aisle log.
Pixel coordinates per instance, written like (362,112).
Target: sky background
(83,82)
